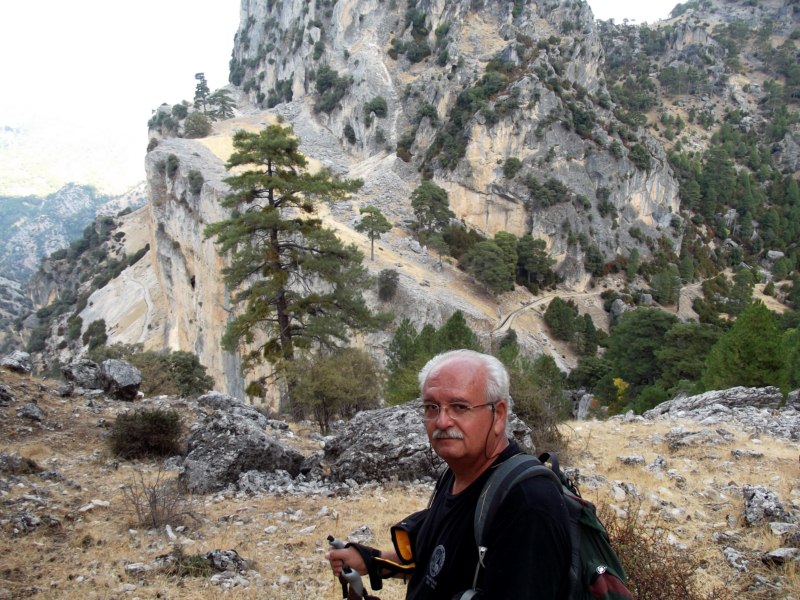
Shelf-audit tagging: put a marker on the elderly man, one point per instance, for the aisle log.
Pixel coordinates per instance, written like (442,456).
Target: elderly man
(465,404)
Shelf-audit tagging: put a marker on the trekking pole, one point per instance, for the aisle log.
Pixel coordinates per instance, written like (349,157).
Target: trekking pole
(349,577)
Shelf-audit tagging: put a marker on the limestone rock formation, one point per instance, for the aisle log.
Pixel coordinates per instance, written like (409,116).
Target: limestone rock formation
(226,444)
(117,378)
(756,409)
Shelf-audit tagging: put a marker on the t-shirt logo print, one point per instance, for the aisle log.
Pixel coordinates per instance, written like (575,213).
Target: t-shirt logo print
(437,561)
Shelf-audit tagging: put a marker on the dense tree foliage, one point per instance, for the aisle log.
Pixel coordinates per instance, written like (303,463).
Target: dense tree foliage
(431,206)
(409,350)
(337,384)
(489,264)
(632,348)
(537,389)
(749,354)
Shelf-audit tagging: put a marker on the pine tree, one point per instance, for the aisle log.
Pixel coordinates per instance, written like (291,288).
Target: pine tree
(299,284)
(431,206)
(487,262)
(456,334)
(201,91)
(749,354)
(222,104)
(374,224)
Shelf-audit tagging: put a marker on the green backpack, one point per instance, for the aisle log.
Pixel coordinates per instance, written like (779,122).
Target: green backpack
(596,572)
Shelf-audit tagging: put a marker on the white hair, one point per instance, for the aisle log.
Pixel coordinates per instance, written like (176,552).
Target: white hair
(497,381)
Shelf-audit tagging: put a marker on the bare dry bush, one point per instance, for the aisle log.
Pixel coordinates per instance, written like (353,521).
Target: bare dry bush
(157,502)
(656,568)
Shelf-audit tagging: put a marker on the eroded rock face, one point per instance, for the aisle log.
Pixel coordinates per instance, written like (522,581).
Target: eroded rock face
(225,445)
(233,406)
(383,444)
(117,378)
(737,397)
(762,505)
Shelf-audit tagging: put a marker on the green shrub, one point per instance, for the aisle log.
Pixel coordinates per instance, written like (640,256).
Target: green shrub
(180,111)
(387,284)
(511,167)
(196,125)
(378,106)
(196,181)
(640,157)
(171,373)
(173,162)
(74,325)
(145,433)
(349,133)
(331,88)
(95,334)
(191,565)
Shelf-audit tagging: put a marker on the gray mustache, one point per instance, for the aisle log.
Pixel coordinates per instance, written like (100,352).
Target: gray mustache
(445,434)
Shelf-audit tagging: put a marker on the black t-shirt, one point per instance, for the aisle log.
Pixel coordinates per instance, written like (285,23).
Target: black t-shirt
(528,543)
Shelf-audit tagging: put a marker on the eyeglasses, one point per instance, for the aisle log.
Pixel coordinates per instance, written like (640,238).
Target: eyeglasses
(456,410)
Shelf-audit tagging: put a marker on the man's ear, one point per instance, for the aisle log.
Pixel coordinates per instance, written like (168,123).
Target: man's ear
(500,412)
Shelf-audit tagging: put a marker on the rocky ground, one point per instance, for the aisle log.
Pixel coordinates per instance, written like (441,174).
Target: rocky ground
(69,526)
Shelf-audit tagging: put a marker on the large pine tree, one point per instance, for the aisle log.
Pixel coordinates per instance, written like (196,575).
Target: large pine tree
(299,285)
(748,354)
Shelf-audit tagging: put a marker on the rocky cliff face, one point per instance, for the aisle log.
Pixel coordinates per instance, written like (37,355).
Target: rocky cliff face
(524,80)
(185,265)
(36,227)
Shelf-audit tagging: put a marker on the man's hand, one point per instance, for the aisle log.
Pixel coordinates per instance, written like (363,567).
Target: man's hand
(350,557)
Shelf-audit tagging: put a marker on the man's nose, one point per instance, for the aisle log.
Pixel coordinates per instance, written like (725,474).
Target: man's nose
(443,419)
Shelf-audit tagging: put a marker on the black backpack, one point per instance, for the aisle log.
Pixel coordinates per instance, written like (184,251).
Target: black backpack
(596,572)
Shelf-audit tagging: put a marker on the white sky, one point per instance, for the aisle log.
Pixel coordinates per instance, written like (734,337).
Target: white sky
(80,78)
(86,74)
(640,11)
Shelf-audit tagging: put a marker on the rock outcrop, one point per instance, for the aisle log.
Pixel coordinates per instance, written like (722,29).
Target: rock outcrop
(118,378)
(756,409)
(232,441)
(17,361)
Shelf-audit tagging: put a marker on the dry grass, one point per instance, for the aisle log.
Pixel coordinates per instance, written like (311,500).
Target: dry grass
(284,537)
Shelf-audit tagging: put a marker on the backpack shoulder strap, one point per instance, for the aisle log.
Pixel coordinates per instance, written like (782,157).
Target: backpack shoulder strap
(506,475)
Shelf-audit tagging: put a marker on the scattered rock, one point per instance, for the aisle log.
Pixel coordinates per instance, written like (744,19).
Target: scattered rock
(736,559)
(6,397)
(636,459)
(761,504)
(84,373)
(31,411)
(235,407)
(120,379)
(17,361)
(779,556)
(14,464)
